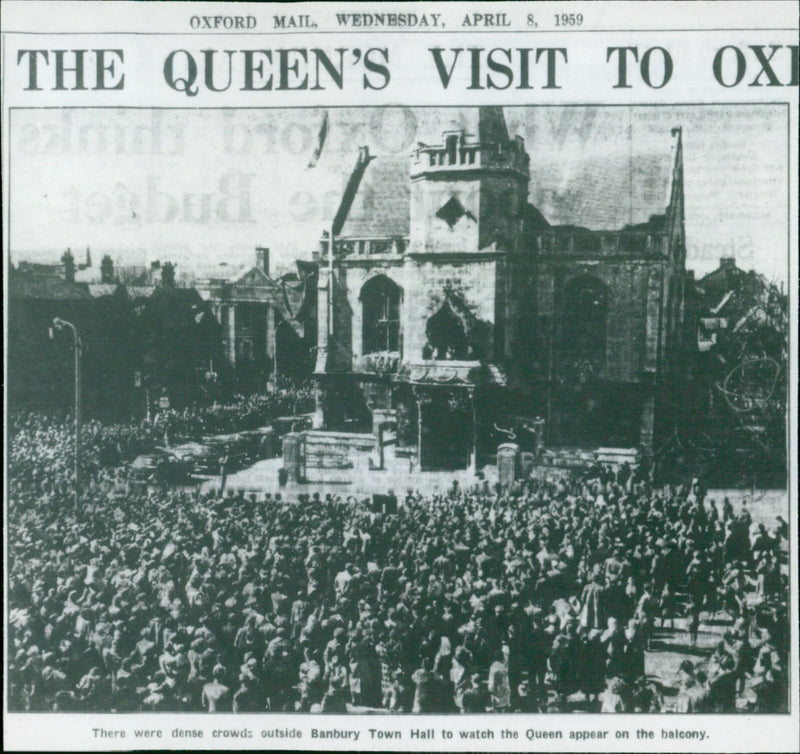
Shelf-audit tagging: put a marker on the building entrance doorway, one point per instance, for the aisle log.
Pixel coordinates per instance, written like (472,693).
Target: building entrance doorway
(446,433)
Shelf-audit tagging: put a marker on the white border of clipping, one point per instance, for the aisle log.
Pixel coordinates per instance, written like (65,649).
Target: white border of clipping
(692,29)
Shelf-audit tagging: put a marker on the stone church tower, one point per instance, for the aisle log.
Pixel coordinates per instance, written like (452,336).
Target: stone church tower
(449,306)
(467,199)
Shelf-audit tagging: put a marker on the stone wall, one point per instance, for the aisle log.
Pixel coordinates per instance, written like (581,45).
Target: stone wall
(423,283)
(433,234)
(334,456)
(632,317)
(502,198)
(348,322)
(428,279)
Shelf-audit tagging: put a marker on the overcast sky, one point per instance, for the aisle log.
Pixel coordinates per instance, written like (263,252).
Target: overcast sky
(201,187)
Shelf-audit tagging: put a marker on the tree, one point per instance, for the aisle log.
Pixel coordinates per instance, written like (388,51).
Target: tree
(106,270)
(740,425)
(178,338)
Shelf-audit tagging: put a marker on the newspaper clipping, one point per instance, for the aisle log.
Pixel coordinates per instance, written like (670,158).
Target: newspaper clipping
(400,376)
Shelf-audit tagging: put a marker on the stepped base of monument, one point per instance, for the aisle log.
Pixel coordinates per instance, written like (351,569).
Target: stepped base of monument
(561,463)
(264,476)
(584,458)
(400,475)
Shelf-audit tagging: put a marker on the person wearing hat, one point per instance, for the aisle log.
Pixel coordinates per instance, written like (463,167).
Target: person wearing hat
(460,670)
(666,607)
(247,697)
(722,679)
(613,638)
(311,684)
(527,700)
(299,612)
(563,660)
(336,646)
(342,580)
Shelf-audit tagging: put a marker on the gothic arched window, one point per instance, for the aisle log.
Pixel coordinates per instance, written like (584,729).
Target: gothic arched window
(584,314)
(380,308)
(447,335)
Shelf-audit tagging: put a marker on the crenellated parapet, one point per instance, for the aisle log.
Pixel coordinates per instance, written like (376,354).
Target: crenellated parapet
(458,154)
(581,243)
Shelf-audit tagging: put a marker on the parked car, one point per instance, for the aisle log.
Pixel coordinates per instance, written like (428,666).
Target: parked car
(161,467)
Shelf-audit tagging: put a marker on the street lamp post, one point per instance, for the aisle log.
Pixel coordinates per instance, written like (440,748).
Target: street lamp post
(275,358)
(60,324)
(275,351)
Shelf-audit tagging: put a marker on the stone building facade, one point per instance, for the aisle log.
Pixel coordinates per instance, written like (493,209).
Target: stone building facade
(268,325)
(451,311)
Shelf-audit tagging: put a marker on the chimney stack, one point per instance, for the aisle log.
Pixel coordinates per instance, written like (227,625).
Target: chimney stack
(262,259)
(69,266)
(727,262)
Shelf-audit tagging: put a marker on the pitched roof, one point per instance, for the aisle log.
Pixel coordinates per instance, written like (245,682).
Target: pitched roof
(102,289)
(294,295)
(140,291)
(220,271)
(610,183)
(253,277)
(729,286)
(605,193)
(186,296)
(376,202)
(88,275)
(24,286)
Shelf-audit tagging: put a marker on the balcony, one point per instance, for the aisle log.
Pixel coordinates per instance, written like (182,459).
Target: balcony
(441,372)
(380,363)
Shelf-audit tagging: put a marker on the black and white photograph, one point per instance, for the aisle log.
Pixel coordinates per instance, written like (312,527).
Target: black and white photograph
(399,410)
(457,415)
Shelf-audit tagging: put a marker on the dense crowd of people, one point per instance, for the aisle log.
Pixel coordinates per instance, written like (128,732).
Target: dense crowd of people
(541,598)
(244,412)
(41,444)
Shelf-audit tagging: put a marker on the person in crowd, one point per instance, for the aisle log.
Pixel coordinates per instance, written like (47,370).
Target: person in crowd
(476,698)
(216,696)
(694,693)
(224,466)
(147,597)
(499,688)
(613,698)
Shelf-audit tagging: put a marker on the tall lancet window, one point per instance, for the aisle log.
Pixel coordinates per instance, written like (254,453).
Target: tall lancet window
(584,311)
(380,302)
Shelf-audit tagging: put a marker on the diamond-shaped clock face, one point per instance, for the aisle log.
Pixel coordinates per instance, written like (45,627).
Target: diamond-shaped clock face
(451,211)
